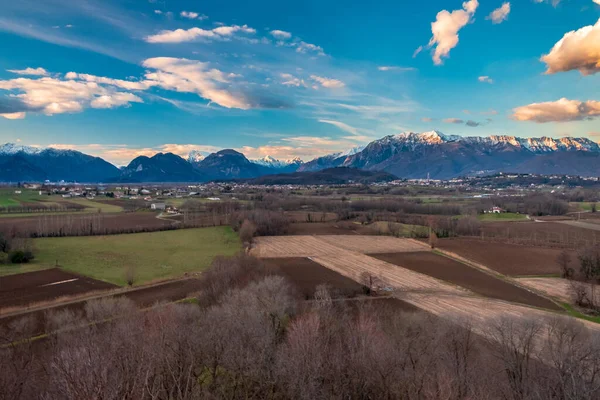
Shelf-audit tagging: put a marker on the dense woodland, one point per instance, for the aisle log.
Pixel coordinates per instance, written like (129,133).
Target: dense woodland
(250,336)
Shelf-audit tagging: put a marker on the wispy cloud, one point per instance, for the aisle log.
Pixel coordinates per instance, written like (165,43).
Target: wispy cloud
(30,71)
(485,79)
(188,35)
(395,68)
(328,83)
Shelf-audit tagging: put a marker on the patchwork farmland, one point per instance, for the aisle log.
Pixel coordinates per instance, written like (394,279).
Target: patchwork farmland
(414,274)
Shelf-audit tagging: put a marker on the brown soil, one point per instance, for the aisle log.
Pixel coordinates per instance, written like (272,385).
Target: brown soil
(306,275)
(452,271)
(33,287)
(104,223)
(508,259)
(145,297)
(547,234)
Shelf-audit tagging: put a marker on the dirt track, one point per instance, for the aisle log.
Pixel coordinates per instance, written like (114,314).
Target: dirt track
(508,259)
(46,285)
(457,273)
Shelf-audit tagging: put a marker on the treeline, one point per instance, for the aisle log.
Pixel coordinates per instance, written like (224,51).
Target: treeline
(42,207)
(538,204)
(251,337)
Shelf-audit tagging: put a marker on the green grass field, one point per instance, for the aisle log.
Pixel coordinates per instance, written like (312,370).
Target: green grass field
(92,206)
(504,217)
(583,206)
(8,197)
(156,255)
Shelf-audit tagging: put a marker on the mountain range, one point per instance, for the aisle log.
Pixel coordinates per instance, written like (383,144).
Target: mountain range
(405,155)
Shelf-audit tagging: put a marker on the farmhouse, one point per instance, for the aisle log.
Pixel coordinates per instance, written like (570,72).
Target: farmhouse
(158,206)
(495,210)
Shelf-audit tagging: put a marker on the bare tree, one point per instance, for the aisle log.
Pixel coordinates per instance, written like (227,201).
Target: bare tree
(564,262)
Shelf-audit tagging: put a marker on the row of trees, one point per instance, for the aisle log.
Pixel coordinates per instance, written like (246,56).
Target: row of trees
(250,337)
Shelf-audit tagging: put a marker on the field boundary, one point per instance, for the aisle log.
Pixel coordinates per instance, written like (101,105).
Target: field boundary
(496,274)
(41,306)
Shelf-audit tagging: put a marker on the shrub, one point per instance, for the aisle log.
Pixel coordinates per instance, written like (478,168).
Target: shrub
(20,256)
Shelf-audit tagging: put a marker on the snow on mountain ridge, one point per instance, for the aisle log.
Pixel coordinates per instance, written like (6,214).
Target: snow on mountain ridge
(12,148)
(269,161)
(195,156)
(537,145)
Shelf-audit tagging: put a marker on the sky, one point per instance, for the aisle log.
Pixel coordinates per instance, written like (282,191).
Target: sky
(123,78)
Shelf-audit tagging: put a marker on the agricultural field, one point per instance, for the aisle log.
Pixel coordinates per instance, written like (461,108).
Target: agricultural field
(546,234)
(428,293)
(507,259)
(557,287)
(142,297)
(74,224)
(306,275)
(8,197)
(311,246)
(32,287)
(505,217)
(151,256)
(460,274)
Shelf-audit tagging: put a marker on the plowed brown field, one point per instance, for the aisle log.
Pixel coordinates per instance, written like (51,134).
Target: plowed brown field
(457,273)
(46,285)
(508,259)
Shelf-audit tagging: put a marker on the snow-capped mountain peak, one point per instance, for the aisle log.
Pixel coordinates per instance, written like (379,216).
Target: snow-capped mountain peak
(269,161)
(12,148)
(195,156)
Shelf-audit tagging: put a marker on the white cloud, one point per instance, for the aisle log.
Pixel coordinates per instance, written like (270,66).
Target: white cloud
(500,14)
(427,119)
(291,80)
(189,14)
(446,27)
(129,85)
(190,76)
(56,96)
(282,35)
(303,47)
(159,12)
(328,82)
(577,50)
(485,79)
(16,115)
(30,71)
(396,68)
(188,35)
(562,110)
(345,127)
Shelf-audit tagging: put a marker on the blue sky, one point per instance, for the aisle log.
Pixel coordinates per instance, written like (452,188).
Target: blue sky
(121,78)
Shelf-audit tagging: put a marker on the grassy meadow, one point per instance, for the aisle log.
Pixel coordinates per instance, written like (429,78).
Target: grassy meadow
(155,255)
(504,217)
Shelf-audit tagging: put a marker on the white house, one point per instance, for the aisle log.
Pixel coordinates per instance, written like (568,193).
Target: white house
(158,206)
